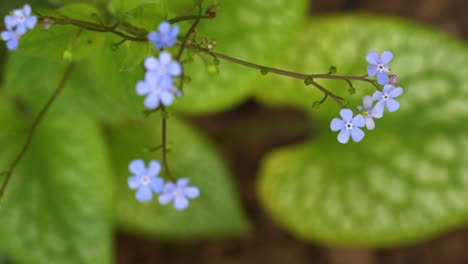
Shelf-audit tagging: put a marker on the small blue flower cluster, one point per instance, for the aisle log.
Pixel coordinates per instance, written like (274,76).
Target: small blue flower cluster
(146,181)
(158,87)
(16,26)
(158,84)
(349,126)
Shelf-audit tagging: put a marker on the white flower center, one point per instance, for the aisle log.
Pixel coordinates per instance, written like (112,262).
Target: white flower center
(145,180)
(178,192)
(385,96)
(157,89)
(349,125)
(382,68)
(162,70)
(21,18)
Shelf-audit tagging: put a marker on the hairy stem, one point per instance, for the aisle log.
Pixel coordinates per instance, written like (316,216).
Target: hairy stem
(8,173)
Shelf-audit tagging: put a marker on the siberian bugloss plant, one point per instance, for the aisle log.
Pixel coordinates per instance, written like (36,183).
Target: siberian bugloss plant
(105,86)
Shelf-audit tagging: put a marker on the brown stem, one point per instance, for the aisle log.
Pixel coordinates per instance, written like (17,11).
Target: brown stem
(34,126)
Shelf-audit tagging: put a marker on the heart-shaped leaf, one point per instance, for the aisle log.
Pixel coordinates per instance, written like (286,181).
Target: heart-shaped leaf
(56,207)
(63,41)
(407,180)
(216,212)
(251,30)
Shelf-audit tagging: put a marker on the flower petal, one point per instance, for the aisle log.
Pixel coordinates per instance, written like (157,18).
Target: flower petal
(31,22)
(27,10)
(175,31)
(152,101)
(154,168)
(388,88)
(20,29)
(157,184)
(359,121)
(137,167)
(165,57)
(180,203)
(343,136)
(386,57)
(165,198)
(375,114)
(372,57)
(142,88)
(192,192)
(152,77)
(346,114)
(10,22)
(7,35)
(167,98)
(164,27)
(367,102)
(370,124)
(144,194)
(377,95)
(134,182)
(166,82)
(182,182)
(371,70)
(153,36)
(382,78)
(357,134)
(396,92)
(336,124)
(169,187)
(151,63)
(379,106)
(392,105)
(174,68)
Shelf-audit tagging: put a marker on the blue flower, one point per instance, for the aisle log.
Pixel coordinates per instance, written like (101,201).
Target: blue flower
(164,67)
(385,98)
(145,179)
(369,112)
(12,38)
(178,193)
(21,20)
(379,66)
(165,37)
(156,91)
(349,126)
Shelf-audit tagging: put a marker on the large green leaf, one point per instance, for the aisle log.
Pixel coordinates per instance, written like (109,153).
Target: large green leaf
(102,85)
(253,30)
(216,212)
(60,40)
(56,207)
(407,180)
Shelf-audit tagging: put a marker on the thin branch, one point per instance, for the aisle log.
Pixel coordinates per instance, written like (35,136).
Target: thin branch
(34,126)
(185,18)
(164,144)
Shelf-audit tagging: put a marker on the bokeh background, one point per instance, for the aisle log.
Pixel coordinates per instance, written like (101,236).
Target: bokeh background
(244,151)
(248,132)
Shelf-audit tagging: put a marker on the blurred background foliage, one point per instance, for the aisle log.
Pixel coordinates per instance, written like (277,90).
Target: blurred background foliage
(407,182)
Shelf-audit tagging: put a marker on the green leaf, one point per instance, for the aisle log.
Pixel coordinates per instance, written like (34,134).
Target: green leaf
(56,207)
(54,42)
(407,180)
(102,85)
(256,31)
(215,213)
(146,16)
(121,7)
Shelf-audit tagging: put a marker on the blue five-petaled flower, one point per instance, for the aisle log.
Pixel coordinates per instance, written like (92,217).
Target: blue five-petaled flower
(158,85)
(166,35)
(178,192)
(379,66)
(144,179)
(369,112)
(349,126)
(386,98)
(16,25)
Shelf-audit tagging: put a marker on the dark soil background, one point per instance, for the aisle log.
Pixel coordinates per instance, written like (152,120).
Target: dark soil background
(243,151)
